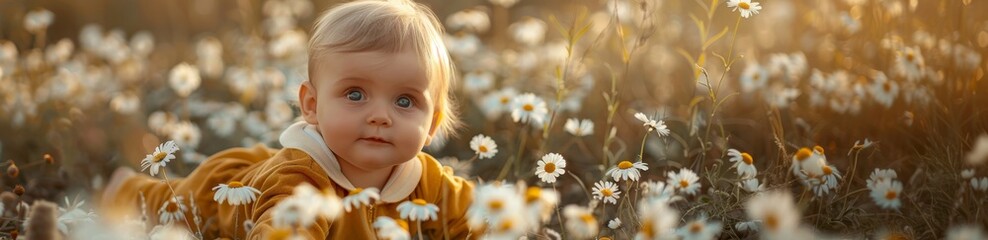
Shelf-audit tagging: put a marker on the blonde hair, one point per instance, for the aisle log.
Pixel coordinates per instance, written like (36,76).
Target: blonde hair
(391,26)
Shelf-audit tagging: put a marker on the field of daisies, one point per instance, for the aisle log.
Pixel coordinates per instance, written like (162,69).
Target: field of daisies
(594,119)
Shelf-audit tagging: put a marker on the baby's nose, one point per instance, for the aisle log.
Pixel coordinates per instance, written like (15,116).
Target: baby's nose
(379,118)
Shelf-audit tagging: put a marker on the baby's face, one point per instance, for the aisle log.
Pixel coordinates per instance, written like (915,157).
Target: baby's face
(374,109)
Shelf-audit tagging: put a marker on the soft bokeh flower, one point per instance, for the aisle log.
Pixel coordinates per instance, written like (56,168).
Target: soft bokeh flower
(504,3)
(492,202)
(529,108)
(751,185)
(966,232)
(699,229)
(235,193)
(472,20)
(658,220)
(606,191)
(776,211)
(304,205)
(685,181)
(498,102)
(580,222)
(477,81)
(38,20)
(550,167)
(880,175)
(979,152)
(186,135)
(418,210)
(743,162)
(360,197)
(391,229)
(579,127)
(980,184)
(483,146)
(747,7)
(614,223)
(967,173)
(625,170)
(659,191)
(529,31)
(172,210)
(184,79)
(160,157)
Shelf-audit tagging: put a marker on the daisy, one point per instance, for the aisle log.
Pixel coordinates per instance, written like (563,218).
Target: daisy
(753,78)
(529,108)
(162,154)
(504,3)
(614,223)
(880,175)
(186,134)
(747,7)
(685,181)
(463,45)
(540,203)
(478,81)
(776,211)
(469,20)
(359,197)
(294,211)
(125,103)
(391,229)
(483,146)
(580,222)
(659,191)
(824,183)
(579,127)
(38,20)
(184,79)
(743,162)
(979,152)
(418,210)
(625,170)
(235,193)
(804,157)
(746,226)
(658,220)
(510,226)
(910,64)
(498,102)
(172,210)
(963,232)
(883,89)
(659,126)
(699,229)
(491,202)
(886,194)
(550,167)
(606,191)
(751,185)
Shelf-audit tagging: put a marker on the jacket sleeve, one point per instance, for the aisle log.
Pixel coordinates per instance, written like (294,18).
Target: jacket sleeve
(277,185)
(458,195)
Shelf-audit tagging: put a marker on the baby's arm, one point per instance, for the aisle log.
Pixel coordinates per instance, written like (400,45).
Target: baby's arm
(275,188)
(458,199)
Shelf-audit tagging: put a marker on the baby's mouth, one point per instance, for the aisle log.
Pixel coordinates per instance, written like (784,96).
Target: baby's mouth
(375,140)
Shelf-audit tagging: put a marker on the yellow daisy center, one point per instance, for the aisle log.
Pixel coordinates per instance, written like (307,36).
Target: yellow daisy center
(160,156)
(803,154)
(532,194)
(910,56)
(756,76)
(482,148)
(625,165)
(887,86)
(647,229)
(588,219)
(495,205)
(747,158)
(402,223)
(356,191)
(171,207)
(744,5)
(419,201)
(683,183)
(827,170)
(528,107)
(772,222)
(696,227)
(818,149)
(604,238)
(550,167)
(506,225)
(235,184)
(891,195)
(606,192)
(505,100)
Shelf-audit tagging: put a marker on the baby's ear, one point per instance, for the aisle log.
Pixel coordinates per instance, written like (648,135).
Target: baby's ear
(307,102)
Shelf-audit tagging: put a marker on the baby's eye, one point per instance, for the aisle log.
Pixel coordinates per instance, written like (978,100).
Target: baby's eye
(403,102)
(355,95)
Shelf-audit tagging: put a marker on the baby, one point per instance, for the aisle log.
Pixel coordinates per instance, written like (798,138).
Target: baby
(378,91)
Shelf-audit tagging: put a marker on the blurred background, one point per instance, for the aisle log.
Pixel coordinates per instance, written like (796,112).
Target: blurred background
(88,86)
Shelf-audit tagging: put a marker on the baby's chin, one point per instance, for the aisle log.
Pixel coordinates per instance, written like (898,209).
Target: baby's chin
(374,162)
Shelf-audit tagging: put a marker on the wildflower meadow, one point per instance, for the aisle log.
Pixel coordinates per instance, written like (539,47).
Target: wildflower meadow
(583,119)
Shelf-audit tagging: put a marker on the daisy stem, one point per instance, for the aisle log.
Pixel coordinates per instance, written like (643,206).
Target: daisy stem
(164,174)
(641,152)
(418,224)
(236,224)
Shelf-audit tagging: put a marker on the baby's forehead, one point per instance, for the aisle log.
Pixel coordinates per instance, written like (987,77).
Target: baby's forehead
(407,66)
